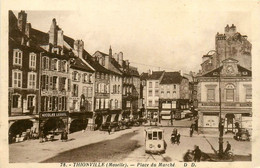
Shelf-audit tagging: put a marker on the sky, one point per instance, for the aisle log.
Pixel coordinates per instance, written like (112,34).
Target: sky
(168,36)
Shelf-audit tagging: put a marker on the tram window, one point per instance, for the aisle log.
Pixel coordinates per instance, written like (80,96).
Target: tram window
(150,136)
(154,135)
(160,135)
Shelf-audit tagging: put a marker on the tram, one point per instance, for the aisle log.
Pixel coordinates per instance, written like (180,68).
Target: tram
(154,141)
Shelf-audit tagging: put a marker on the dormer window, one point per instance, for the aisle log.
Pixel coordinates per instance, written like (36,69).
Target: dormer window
(244,73)
(17,56)
(215,73)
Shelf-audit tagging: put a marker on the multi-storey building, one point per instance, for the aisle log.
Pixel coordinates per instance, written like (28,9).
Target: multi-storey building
(81,95)
(24,68)
(153,93)
(173,94)
(143,95)
(227,88)
(55,79)
(131,91)
(115,80)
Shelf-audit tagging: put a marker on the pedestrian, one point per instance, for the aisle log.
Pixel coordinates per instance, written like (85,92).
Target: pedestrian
(188,157)
(228,148)
(109,129)
(191,131)
(178,138)
(62,136)
(197,154)
(41,136)
(65,135)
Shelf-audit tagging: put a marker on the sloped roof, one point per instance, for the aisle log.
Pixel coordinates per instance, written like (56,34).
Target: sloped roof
(171,78)
(241,70)
(89,59)
(155,75)
(80,65)
(16,36)
(134,72)
(144,76)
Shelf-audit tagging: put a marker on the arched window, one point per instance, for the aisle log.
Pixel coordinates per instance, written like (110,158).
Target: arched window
(230,92)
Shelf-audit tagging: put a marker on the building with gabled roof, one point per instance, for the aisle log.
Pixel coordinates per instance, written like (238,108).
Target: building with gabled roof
(24,78)
(228,89)
(173,96)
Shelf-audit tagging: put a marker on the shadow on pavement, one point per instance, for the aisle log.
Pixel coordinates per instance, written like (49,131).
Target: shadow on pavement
(108,150)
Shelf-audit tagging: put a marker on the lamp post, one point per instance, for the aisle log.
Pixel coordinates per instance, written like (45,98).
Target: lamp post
(220,126)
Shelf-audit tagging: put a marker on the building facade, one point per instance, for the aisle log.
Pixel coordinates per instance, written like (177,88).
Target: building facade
(81,95)
(153,93)
(174,95)
(24,72)
(226,87)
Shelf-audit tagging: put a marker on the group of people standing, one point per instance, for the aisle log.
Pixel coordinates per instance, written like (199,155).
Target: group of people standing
(194,155)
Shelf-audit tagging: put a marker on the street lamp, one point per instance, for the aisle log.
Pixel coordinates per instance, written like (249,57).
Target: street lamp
(220,126)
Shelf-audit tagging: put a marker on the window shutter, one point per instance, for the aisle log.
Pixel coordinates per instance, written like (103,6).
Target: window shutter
(51,82)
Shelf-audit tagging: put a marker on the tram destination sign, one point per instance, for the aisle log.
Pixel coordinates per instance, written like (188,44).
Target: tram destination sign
(53,114)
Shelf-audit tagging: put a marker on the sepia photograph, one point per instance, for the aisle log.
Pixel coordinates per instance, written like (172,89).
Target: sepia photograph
(130,83)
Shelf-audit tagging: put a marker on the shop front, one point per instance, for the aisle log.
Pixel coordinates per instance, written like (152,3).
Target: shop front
(53,122)
(78,121)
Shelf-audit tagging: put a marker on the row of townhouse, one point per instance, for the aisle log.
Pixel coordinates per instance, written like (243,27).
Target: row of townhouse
(165,94)
(55,84)
(225,84)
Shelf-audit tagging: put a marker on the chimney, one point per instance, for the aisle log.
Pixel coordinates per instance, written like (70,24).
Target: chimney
(28,29)
(53,33)
(107,60)
(110,52)
(149,72)
(180,71)
(79,48)
(22,19)
(60,38)
(127,63)
(120,58)
(115,56)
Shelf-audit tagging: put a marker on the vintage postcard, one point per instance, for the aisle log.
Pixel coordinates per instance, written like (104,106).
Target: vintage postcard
(130,84)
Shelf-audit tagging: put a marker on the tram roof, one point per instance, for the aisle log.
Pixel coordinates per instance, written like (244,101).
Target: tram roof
(153,129)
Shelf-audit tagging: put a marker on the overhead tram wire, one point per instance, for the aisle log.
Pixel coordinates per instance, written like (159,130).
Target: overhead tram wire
(153,66)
